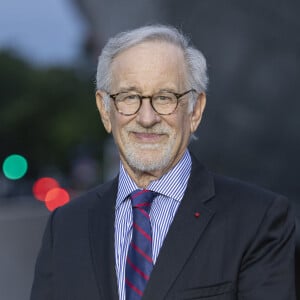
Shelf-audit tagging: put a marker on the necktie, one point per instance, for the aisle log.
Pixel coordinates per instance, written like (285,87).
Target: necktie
(139,262)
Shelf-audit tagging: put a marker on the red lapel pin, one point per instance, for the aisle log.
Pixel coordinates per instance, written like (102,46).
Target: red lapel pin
(197,214)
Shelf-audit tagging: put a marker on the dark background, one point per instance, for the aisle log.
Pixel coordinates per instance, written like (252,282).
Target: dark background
(250,130)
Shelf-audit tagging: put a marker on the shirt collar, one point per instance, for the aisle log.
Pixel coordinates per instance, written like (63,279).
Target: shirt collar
(172,184)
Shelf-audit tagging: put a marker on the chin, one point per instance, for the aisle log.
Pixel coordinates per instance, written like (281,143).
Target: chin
(145,163)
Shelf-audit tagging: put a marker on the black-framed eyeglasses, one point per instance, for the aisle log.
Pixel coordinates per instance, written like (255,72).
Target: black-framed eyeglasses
(164,103)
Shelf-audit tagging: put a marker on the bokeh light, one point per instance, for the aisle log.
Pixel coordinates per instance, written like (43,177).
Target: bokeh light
(15,166)
(56,197)
(42,186)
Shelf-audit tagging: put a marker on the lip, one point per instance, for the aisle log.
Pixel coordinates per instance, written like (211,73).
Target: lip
(147,137)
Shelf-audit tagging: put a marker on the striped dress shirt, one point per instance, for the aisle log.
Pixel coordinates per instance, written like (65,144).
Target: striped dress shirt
(171,187)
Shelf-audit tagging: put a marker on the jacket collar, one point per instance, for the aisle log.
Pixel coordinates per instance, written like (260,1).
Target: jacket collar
(186,228)
(101,234)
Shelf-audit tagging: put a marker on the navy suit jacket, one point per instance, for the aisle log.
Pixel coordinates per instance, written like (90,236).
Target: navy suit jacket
(239,245)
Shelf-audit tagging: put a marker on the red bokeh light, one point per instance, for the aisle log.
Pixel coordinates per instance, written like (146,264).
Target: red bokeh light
(56,197)
(42,186)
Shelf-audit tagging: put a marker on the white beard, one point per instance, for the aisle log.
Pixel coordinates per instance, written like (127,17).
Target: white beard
(136,153)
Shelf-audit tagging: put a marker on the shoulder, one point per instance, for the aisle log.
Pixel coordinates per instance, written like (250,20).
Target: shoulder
(88,200)
(231,188)
(234,196)
(247,199)
(249,212)
(238,189)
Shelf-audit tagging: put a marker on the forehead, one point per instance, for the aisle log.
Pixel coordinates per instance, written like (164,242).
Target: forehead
(151,62)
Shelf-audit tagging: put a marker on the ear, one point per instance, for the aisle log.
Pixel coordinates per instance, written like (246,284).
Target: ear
(197,113)
(104,114)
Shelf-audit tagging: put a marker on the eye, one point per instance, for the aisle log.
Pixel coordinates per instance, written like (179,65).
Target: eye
(164,98)
(132,97)
(127,97)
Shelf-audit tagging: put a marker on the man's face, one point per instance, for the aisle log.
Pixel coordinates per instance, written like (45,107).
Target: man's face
(147,141)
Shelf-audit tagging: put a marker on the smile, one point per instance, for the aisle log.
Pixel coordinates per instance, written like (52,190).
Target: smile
(147,137)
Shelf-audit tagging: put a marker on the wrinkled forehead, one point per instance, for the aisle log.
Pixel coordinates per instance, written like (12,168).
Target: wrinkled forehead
(150,58)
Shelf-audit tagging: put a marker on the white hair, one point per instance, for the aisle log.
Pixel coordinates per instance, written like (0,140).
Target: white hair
(194,59)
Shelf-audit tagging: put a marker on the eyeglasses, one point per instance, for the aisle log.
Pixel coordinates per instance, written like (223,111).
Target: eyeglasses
(164,103)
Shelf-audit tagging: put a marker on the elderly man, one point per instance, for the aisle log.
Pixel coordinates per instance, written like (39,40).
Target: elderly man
(165,228)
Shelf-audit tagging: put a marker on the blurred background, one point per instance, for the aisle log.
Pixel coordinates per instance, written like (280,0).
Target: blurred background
(53,146)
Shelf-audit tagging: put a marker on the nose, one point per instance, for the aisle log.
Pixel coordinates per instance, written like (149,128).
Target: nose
(146,116)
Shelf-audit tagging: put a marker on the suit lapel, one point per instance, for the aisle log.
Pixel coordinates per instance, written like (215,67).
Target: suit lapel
(101,232)
(183,234)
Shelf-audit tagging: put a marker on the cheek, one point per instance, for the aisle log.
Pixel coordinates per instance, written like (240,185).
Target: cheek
(116,127)
(117,131)
(184,125)
(119,123)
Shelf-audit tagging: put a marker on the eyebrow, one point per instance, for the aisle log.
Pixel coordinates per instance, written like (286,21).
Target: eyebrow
(130,89)
(136,89)
(167,90)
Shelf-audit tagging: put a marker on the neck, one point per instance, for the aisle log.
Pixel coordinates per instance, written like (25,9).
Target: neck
(143,178)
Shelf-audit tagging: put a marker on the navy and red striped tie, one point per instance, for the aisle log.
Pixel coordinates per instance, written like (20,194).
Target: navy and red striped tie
(139,262)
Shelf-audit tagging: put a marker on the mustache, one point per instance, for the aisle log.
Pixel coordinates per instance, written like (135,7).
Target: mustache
(156,129)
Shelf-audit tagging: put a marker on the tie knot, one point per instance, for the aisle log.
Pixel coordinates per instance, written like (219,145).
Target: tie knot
(142,198)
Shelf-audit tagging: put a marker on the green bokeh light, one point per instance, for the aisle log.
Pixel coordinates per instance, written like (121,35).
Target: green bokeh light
(15,166)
